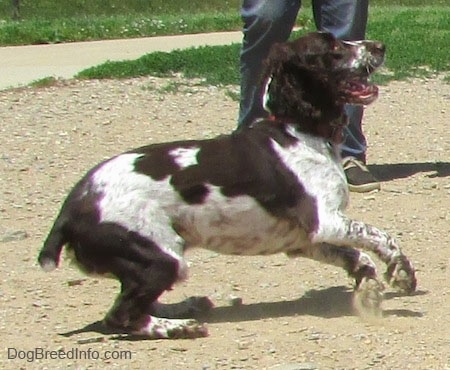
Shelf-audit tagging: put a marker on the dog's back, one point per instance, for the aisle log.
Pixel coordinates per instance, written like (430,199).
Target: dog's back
(237,194)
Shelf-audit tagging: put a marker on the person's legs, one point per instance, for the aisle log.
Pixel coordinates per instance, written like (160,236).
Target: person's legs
(355,144)
(269,21)
(265,23)
(347,20)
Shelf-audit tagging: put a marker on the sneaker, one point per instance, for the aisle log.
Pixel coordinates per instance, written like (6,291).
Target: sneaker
(359,179)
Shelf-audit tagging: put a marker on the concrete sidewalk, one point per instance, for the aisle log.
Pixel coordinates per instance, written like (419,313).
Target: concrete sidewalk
(20,65)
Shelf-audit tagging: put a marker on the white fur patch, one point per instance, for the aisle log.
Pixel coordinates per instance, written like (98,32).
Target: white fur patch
(237,225)
(320,172)
(266,95)
(162,328)
(136,202)
(362,53)
(185,157)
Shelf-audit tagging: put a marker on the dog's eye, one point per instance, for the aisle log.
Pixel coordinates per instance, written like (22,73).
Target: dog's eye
(336,45)
(337,55)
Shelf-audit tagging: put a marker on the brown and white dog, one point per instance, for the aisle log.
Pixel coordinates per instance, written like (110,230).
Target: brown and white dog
(274,187)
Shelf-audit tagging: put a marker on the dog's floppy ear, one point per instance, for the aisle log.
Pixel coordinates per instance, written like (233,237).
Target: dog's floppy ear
(292,84)
(282,79)
(279,55)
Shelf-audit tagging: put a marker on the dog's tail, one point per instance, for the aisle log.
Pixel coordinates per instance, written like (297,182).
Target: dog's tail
(53,245)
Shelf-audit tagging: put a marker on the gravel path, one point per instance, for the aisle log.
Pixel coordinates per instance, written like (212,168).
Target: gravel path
(295,314)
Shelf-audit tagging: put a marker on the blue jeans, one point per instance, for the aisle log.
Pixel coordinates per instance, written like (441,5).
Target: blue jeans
(269,21)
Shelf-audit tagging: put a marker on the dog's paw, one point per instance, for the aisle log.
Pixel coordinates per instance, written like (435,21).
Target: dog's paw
(401,274)
(368,298)
(161,328)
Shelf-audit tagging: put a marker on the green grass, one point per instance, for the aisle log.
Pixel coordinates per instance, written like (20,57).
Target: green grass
(218,66)
(46,21)
(44,82)
(103,27)
(418,41)
(417,33)
(51,9)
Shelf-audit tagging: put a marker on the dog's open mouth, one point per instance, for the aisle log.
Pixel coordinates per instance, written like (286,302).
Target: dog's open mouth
(358,91)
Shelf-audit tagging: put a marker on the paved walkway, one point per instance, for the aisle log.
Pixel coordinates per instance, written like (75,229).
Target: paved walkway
(20,65)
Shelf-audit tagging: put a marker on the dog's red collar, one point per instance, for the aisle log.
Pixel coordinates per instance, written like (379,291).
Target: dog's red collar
(332,131)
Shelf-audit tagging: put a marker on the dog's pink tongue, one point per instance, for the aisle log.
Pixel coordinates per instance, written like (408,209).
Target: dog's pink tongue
(368,91)
(363,90)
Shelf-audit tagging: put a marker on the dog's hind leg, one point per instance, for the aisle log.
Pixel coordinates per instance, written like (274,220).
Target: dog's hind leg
(368,290)
(133,310)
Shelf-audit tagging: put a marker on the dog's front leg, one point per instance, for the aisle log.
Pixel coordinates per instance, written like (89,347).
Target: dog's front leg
(368,291)
(350,233)
(400,271)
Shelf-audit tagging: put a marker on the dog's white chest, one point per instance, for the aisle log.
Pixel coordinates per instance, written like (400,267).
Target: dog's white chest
(316,164)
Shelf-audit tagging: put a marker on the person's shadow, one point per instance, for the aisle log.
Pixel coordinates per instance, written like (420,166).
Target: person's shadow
(388,172)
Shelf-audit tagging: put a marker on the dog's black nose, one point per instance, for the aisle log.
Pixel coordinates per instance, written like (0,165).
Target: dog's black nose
(379,46)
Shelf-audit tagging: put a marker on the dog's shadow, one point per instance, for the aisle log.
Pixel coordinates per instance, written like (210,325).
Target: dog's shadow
(388,172)
(327,303)
(331,302)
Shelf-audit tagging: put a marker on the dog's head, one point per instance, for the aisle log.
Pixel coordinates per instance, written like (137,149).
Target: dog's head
(312,77)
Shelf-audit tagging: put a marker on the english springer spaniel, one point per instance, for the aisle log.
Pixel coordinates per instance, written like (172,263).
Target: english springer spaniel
(274,187)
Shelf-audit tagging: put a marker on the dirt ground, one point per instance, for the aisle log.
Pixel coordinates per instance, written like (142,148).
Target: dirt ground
(295,314)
